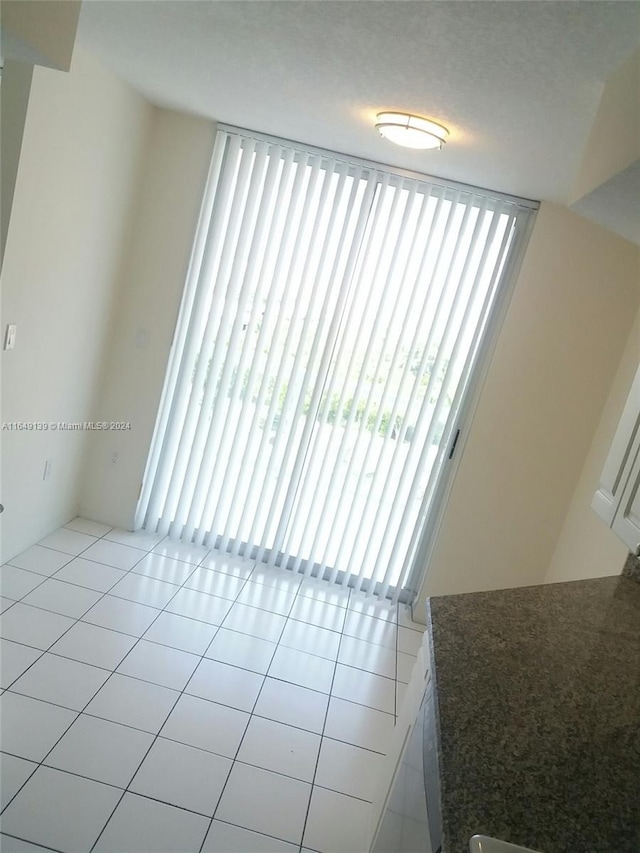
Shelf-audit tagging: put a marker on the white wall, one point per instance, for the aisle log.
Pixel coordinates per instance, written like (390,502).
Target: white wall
(586,547)
(557,353)
(83,142)
(153,279)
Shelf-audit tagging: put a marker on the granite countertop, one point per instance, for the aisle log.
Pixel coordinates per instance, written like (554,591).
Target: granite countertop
(537,694)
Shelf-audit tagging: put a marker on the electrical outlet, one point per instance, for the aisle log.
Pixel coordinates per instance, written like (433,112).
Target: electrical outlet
(115,456)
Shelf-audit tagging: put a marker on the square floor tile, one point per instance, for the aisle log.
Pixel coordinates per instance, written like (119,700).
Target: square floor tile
(118,614)
(409,641)
(181,551)
(237,566)
(91,575)
(133,703)
(68,541)
(359,725)
(14,772)
(360,654)
(234,839)
(241,650)
(356,685)
(337,822)
(144,590)
(92,528)
(267,598)
(257,623)
(405,667)
(159,664)
(5,603)
(28,727)
(372,630)
(15,583)
(32,626)
(215,583)
(145,826)
(14,660)
(275,577)
(207,725)
(199,605)
(278,804)
(60,810)
(311,639)
(182,776)
(293,705)
(302,669)
(369,606)
(142,539)
(164,569)
(318,613)
(94,645)
(61,681)
(225,684)
(283,749)
(101,750)
(349,769)
(113,554)
(321,590)
(42,561)
(180,632)
(64,598)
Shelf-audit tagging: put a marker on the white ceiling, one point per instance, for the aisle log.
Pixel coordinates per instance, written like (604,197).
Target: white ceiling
(517,83)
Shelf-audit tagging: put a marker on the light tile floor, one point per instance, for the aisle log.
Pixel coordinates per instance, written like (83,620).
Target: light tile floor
(161,697)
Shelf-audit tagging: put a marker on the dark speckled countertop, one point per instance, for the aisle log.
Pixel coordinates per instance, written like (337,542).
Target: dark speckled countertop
(538,715)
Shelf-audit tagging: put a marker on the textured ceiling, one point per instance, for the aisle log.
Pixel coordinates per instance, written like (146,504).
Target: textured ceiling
(517,83)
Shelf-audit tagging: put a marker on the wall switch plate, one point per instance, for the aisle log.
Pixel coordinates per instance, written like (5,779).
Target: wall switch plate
(10,336)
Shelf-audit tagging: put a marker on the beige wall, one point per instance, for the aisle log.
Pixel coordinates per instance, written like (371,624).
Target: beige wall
(552,369)
(586,547)
(614,141)
(16,86)
(154,274)
(42,32)
(83,142)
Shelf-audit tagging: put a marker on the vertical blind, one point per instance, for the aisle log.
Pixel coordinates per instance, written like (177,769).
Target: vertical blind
(332,315)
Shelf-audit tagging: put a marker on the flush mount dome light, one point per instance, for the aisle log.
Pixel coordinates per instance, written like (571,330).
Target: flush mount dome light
(411,131)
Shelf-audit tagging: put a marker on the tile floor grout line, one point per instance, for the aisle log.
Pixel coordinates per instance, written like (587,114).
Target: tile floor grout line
(75,622)
(41,763)
(288,618)
(235,758)
(157,734)
(73,710)
(11,687)
(395,686)
(26,841)
(324,726)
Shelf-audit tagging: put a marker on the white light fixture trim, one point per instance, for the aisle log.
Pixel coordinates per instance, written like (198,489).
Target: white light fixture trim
(411,131)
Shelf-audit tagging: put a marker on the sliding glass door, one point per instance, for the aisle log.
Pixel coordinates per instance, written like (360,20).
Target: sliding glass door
(331,319)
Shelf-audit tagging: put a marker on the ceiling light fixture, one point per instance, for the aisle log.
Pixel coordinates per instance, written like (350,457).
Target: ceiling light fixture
(411,131)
